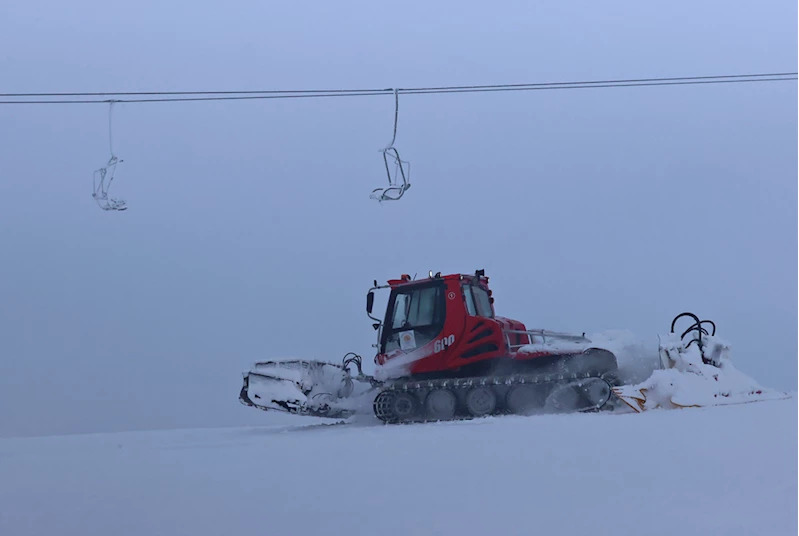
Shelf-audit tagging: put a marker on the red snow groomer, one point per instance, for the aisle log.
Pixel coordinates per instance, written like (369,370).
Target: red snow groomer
(442,354)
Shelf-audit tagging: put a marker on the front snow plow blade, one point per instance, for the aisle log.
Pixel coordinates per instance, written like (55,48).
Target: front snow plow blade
(694,371)
(302,387)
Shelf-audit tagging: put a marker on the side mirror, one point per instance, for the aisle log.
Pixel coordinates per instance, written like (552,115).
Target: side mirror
(370,301)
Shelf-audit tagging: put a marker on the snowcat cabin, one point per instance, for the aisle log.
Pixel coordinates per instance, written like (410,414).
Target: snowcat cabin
(449,318)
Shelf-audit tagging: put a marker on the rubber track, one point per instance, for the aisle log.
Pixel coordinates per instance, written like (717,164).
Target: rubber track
(464,384)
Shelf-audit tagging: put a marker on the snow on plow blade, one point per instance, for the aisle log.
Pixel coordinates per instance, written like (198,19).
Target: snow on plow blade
(313,388)
(695,371)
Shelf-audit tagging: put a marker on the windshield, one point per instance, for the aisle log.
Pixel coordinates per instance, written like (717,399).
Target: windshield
(415,318)
(414,308)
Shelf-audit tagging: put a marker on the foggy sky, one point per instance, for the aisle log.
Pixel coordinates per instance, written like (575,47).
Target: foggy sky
(250,233)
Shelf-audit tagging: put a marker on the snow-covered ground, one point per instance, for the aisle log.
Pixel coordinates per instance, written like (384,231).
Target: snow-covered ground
(723,470)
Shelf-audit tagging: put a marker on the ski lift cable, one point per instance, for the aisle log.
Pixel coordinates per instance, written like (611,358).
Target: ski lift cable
(591,86)
(590,82)
(311,92)
(295,94)
(196,99)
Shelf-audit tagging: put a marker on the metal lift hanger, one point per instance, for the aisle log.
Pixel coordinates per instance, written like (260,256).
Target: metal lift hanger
(106,174)
(402,169)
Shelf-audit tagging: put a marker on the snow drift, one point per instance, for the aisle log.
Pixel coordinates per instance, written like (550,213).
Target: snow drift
(694,376)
